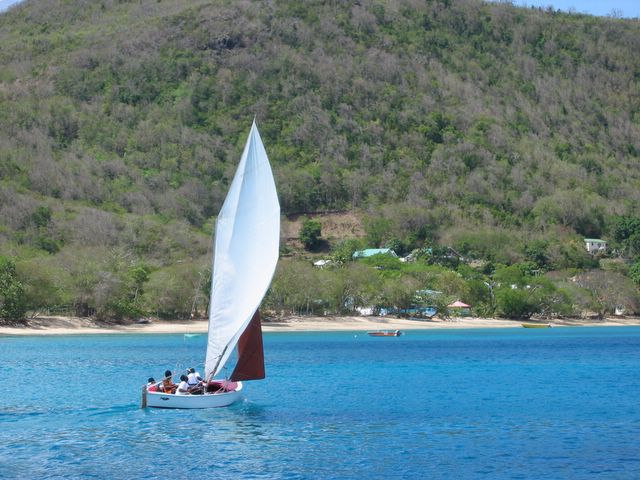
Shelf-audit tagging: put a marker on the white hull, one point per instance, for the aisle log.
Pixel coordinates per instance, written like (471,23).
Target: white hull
(208,400)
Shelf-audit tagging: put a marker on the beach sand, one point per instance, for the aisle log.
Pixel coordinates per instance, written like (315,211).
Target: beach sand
(83,326)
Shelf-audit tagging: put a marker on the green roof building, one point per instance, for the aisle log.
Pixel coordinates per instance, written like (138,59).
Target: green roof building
(595,245)
(370,252)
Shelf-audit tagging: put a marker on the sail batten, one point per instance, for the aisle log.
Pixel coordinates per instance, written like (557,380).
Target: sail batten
(245,252)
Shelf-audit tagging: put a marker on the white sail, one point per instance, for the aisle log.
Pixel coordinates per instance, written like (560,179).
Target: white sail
(245,253)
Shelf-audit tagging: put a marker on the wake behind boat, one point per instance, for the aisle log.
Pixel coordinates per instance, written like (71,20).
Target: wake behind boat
(246,249)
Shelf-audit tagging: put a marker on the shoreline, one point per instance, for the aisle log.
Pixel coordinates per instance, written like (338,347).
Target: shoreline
(54,325)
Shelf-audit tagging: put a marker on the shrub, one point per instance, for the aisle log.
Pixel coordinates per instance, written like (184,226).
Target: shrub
(634,272)
(343,251)
(515,303)
(310,233)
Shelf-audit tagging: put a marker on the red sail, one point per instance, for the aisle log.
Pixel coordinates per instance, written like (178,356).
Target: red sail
(250,364)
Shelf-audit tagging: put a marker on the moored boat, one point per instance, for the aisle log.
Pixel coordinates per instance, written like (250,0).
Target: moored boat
(385,333)
(536,325)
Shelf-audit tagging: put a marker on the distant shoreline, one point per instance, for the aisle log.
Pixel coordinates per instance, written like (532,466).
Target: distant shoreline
(85,326)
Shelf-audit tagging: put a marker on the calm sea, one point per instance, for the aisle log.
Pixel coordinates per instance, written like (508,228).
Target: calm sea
(548,403)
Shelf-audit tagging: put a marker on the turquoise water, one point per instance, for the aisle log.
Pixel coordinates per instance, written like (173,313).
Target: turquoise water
(547,403)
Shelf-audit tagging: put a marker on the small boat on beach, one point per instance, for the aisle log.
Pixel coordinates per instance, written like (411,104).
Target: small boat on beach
(536,325)
(246,248)
(385,333)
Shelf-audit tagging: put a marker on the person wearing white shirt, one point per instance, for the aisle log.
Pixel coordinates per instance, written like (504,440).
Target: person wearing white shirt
(194,380)
(183,386)
(194,377)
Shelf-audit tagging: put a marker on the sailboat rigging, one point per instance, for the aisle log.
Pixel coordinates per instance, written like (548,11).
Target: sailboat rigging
(246,247)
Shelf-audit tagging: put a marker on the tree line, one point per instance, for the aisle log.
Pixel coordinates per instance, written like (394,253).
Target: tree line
(118,285)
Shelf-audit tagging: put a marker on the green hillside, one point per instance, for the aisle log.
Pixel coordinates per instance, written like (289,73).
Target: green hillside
(506,133)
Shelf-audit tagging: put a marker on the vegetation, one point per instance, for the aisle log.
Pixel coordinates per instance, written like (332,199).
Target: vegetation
(310,233)
(12,305)
(383,281)
(469,133)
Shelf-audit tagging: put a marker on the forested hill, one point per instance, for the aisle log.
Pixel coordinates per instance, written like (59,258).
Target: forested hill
(455,122)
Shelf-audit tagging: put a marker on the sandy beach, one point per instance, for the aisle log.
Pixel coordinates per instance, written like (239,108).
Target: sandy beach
(84,326)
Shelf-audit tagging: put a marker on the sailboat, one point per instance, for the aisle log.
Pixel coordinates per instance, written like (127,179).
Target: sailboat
(246,250)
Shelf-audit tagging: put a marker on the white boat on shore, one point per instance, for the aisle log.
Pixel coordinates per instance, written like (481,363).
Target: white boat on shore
(246,251)
(536,325)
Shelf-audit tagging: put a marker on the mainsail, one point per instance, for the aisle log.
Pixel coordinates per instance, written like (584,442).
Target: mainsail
(246,252)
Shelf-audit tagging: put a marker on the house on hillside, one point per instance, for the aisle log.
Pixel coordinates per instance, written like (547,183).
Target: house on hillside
(370,252)
(595,245)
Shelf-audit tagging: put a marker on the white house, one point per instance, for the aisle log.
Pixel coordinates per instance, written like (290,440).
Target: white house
(595,245)
(322,263)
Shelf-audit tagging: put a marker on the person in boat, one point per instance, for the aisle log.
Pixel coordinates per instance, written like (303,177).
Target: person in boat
(183,386)
(152,386)
(167,385)
(195,381)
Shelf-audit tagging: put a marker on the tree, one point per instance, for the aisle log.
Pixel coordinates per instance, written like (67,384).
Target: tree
(438,255)
(359,286)
(377,230)
(310,233)
(398,292)
(386,263)
(298,288)
(42,280)
(129,302)
(634,272)
(515,303)
(536,252)
(12,301)
(626,230)
(170,291)
(343,251)
(609,290)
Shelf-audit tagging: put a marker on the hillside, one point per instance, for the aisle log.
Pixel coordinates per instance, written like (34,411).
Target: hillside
(497,130)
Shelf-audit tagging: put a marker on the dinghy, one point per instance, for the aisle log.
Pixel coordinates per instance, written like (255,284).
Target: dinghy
(385,333)
(246,249)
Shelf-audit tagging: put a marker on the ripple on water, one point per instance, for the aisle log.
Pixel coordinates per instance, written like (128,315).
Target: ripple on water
(473,404)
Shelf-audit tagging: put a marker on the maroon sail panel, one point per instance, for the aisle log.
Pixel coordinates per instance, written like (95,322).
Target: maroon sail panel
(250,364)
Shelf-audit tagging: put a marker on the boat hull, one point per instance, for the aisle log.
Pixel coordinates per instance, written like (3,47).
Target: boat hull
(397,333)
(536,325)
(208,400)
